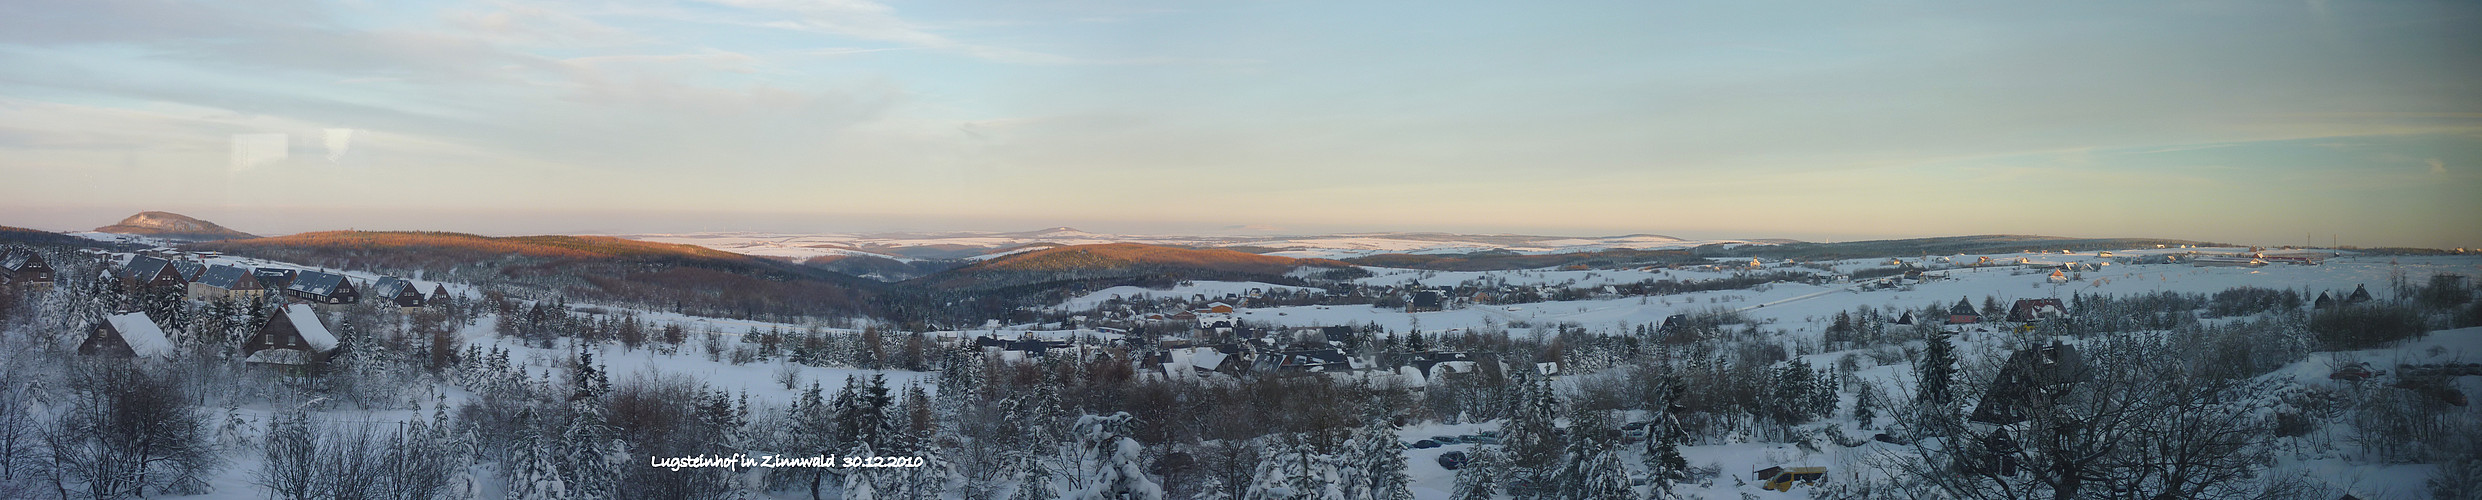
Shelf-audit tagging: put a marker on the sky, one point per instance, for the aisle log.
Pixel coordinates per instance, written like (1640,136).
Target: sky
(2237,121)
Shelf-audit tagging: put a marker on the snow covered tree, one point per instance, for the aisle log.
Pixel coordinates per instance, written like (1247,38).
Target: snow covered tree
(1590,467)
(1866,405)
(1106,461)
(1533,441)
(1290,469)
(1374,466)
(1480,478)
(1935,375)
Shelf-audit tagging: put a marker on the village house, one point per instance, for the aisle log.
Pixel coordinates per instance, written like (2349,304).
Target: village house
(223,281)
(1425,301)
(296,342)
(146,272)
(189,269)
(274,278)
(129,334)
(1963,313)
(25,268)
(2039,372)
(323,288)
(398,291)
(2030,310)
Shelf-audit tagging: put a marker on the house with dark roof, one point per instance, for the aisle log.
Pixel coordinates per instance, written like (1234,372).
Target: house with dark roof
(25,268)
(296,342)
(189,269)
(323,288)
(150,272)
(1425,300)
(1309,360)
(1963,313)
(2324,301)
(2030,310)
(223,281)
(126,335)
(2030,379)
(274,278)
(399,291)
(2360,294)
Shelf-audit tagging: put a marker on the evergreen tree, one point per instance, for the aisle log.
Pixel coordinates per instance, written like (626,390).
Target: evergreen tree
(1533,439)
(1480,478)
(1935,374)
(1866,405)
(1107,461)
(1590,468)
(1375,466)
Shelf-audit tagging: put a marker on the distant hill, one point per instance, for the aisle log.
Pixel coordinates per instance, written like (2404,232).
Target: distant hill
(10,234)
(1946,245)
(881,268)
(1502,260)
(1078,262)
(591,268)
(173,226)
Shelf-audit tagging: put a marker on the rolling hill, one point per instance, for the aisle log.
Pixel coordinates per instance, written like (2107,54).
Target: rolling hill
(673,277)
(1122,260)
(173,226)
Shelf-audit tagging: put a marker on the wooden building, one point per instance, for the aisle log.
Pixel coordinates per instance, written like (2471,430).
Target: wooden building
(398,291)
(190,269)
(25,268)
(274,278)
(323,288)
(150,272)
(296,342)
(1963,313)
(223,281)
(126,335)
(2029,310)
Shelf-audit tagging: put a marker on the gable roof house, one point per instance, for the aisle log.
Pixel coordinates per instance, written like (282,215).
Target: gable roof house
(399,291)
(2360,294)
(323,288)
(2027,310)
(224,281)
(146,272)
(127,335)
(2324,301)
(1963,313)
(1425,300)
(189,269)
(274,278)
(296,341)
(438,291)
(25,268)
(2040,372)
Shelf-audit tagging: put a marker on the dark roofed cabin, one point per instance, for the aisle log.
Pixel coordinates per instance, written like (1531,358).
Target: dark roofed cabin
(399,291)
(1963,313)
(126,335)
(224,281)
(25,268)
(2028,310)
(189,269)
(274,278)
(144,272)
(1426,300)
(2045,372)
(323,288)
(295,340)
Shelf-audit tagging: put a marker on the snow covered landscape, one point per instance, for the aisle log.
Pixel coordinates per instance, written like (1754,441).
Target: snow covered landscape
(1261,250)
(1863,377)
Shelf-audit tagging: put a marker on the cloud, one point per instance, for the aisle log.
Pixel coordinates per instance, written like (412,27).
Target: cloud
(2438,167)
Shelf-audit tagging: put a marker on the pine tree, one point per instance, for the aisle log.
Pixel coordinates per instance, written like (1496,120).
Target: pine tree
(1375,467)
(1935,374)
(1866,405)
(1107,461)
(1480,478)
(1590,467)
(1533,440)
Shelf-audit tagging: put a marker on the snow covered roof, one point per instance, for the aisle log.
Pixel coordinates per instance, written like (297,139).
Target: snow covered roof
(141,334)
(145,267)
(229,278)
(390,287)
(313,332)
(317,283)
